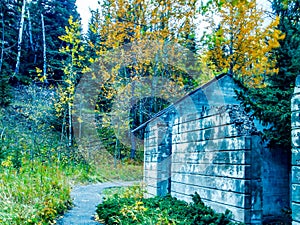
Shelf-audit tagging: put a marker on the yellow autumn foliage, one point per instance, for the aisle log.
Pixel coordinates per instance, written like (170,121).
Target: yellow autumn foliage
(241,43)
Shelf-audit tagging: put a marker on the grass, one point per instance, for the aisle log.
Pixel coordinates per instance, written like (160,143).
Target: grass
(33,195)
(37,170)
(38,193)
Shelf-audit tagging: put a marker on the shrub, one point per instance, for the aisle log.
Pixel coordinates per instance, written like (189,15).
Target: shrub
(121,208)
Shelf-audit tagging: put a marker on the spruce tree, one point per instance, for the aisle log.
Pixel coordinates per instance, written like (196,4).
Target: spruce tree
(272,103)
(56,14)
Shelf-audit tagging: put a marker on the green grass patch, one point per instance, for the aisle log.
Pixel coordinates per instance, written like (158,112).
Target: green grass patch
(36,194)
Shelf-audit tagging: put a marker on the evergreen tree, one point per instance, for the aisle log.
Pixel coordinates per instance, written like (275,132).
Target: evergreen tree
(8,46)
(272,103)
(56,14)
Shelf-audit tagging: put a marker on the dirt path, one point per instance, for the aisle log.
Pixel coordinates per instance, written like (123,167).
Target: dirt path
(85,199)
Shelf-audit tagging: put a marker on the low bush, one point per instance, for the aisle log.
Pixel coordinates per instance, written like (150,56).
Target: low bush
(130,207)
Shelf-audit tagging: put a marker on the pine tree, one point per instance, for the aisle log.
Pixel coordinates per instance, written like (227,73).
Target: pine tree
(272,103)
(56,14)
(8,37)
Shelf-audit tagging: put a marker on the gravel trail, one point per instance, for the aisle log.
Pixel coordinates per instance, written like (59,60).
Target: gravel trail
(85,199)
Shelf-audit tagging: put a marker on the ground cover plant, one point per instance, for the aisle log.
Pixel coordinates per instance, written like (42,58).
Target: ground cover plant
(128,206)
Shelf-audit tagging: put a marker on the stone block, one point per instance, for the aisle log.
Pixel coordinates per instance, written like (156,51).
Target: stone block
(296,156)
(212,182)
(232,171)
(295,174)
(296,138)
(295,102)
(230,198)
(295,119)
(240,157)
(296,212)
(295,193)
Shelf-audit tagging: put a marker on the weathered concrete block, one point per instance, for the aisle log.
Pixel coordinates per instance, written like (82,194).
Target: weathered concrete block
(240,157)
(233,171)
(296,193)
(234,143)
(296,156)
(153,191)
(231,198)
(239,214)
(295,102)
(212,182)
(204,123)
(295,119)
(296,212)
(164,187)
(151,181)
(151,166)
(295,175)
(191,135)
(296,138)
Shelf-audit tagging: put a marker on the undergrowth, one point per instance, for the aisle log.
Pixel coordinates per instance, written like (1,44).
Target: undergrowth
(128,206)
(34,194)
(37,168)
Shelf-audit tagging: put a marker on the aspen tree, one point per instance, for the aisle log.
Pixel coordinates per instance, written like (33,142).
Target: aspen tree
(20,38)
(73,67)
(241,43)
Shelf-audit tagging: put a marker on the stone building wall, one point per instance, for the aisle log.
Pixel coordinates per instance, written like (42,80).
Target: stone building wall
(295,180)
(213,154)
(206,143)
(157,157)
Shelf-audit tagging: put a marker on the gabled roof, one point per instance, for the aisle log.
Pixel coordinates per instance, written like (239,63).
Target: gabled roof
(172,106)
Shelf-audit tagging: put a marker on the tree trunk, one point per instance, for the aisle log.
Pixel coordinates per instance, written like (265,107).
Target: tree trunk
(132,137)
(117,150)
(30,30)
(44,49)
(70,122)
(20,38)
(2,44)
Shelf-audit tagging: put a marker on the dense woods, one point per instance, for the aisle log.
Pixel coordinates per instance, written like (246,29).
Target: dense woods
(42,42)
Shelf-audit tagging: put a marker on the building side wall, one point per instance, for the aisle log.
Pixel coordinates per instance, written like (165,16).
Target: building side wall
(276,179)
(157,158)
(295,179)
(211,157)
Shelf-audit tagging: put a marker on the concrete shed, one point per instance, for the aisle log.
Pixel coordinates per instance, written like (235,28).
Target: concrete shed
(207,143)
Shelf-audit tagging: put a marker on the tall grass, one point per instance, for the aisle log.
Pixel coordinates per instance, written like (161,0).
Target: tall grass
(32,195)
(37,168)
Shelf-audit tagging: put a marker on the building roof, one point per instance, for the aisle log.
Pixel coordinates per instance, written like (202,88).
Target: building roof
(171,106)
